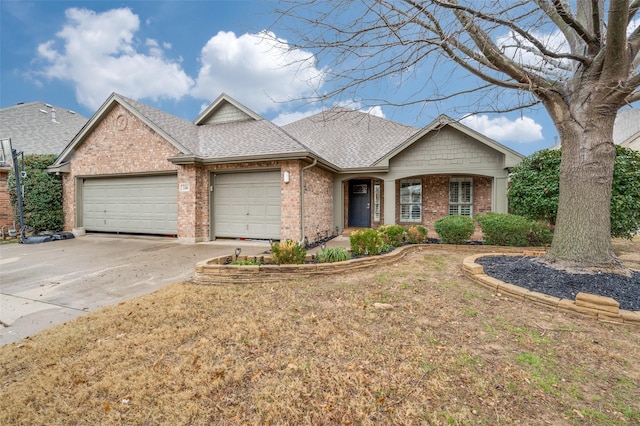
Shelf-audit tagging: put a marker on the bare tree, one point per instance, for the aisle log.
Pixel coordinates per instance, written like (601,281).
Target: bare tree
(579,59)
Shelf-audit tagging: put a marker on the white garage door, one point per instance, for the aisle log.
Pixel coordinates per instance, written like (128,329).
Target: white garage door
(247,205)
(141,205)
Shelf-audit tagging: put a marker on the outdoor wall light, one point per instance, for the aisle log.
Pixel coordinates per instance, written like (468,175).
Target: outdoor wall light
(286,177)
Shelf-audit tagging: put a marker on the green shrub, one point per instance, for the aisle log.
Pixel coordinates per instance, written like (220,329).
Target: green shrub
(288,253)
(539,235)
(42,201)
(416,234)
(366,241)
(393,235)
(511,230)
(454,229)
(333,254)
(534,189)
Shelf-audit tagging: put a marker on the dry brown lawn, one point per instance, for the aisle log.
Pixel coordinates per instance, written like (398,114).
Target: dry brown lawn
(412,343)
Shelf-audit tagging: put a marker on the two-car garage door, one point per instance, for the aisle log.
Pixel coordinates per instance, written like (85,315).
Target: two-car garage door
(246,205)
(243,205)
(141,204)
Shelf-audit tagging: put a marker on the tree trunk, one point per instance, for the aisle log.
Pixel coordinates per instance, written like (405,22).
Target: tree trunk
(582,237)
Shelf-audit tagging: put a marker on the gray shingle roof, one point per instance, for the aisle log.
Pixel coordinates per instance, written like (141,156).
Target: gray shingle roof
(349,139)
(182,131)
(248,138)
(33,130)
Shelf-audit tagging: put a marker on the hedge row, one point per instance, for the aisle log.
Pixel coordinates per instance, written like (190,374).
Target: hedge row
(497,229)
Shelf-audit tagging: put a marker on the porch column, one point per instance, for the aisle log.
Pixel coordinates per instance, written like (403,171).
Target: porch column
(389,202)
(499,202)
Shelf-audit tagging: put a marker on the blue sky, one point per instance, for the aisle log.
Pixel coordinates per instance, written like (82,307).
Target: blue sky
(180,55)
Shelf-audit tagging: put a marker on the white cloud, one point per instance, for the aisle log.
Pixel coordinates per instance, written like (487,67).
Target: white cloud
(502,129)
(526,54)
(258,70)
(100,55)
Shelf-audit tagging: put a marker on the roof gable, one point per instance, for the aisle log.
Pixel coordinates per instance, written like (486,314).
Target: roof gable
(225,110)
(178,132)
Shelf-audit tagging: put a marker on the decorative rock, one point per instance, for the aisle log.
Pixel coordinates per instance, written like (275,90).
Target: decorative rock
(383,306)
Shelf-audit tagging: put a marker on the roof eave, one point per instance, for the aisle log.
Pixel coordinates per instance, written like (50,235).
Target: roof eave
(302,155)
(60,168)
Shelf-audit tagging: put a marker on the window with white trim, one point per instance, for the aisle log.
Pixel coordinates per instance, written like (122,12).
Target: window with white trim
(410,200)
(461,196)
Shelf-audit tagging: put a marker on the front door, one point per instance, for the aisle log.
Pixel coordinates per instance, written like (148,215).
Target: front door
(360,203)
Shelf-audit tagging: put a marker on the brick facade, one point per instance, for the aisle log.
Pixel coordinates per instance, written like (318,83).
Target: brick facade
(120,144)
(6,210)
(318,203)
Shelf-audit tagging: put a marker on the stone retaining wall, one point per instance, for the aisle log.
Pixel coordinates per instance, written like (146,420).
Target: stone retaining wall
(593,306)
(218,271)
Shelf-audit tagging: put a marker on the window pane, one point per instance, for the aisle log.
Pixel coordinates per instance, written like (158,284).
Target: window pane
(453,192)
(465,192)
(410,200)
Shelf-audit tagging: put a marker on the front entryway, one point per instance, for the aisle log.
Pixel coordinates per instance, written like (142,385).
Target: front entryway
(360,203)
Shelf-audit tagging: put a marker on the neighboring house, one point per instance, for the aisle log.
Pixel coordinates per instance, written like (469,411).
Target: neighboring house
(626,130)
(34,128)
(233,174)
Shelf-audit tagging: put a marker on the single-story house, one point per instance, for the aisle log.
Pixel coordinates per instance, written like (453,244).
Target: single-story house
(233,174)
(34,128)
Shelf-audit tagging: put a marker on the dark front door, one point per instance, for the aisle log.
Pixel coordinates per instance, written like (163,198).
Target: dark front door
(360,203)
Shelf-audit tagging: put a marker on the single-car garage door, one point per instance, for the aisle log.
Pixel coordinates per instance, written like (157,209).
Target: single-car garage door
(247,205)
(142,204)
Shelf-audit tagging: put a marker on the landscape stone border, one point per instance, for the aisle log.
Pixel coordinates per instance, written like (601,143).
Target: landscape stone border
(218,271)
(593,306)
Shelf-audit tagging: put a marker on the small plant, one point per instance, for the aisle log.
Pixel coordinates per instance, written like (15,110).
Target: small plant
(366,241)
(333,254)
(416,234)
(454,229)
(392,235)
(288,252)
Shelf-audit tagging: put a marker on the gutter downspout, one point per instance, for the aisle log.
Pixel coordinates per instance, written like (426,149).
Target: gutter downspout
(315,161)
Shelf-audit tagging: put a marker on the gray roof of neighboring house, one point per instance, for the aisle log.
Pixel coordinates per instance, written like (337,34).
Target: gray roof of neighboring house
(627,127)
(349,139)
(39,128)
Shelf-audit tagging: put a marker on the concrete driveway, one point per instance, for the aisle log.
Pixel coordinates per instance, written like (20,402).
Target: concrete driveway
(42,285)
